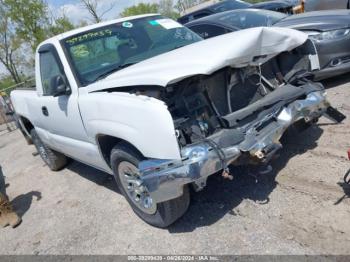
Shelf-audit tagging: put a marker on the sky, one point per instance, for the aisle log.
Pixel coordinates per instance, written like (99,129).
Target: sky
(75,12)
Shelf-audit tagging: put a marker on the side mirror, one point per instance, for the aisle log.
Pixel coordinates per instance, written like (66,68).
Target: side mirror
(60,86)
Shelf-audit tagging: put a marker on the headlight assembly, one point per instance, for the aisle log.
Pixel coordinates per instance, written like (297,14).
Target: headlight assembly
(330,35)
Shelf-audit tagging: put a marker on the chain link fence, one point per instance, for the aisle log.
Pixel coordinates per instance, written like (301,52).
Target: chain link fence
(7,117)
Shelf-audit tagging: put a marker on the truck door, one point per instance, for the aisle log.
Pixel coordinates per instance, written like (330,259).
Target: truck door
(59,114)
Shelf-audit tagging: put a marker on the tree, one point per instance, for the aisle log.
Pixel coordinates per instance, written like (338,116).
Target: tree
(30,19)
(9,44)
(140,9)
(92,7)
(183,5)
(23,25)
(6,81)
(60,25)
(166,8)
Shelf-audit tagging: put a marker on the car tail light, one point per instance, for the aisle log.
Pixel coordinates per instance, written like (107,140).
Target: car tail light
(349,154)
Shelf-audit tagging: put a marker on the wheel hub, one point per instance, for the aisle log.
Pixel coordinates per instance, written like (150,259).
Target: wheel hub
(132,184)
(43,153)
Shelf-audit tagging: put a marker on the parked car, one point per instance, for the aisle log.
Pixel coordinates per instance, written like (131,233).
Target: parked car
(316,5)
(148,101)
(280,6)
(330,31)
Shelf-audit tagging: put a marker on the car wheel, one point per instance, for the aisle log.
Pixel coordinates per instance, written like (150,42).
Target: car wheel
(124,162)
(55,160)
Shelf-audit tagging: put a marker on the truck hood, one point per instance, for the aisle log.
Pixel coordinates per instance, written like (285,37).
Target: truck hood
(244,48)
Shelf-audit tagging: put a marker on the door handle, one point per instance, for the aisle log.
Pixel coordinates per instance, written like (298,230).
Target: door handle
(45,111)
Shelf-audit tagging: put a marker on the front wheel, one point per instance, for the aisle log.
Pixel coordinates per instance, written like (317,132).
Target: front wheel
(124,161)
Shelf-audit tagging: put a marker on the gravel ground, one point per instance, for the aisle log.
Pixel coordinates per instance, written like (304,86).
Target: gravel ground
(300,208)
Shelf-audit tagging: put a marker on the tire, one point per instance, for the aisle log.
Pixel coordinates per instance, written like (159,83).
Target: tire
(164,213)
(55,160)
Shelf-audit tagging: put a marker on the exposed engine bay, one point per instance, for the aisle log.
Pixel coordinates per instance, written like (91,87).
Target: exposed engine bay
(200,105)
(231,111)
(234,117)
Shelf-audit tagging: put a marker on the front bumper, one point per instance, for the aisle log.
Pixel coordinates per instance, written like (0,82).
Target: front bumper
(165,179)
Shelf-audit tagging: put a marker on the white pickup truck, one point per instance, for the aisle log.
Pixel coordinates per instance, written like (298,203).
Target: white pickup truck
(148,101)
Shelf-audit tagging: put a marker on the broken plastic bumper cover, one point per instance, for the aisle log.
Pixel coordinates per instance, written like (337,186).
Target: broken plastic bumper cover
(165,179)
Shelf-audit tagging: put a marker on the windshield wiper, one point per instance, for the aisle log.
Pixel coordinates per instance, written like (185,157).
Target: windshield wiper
(108,72)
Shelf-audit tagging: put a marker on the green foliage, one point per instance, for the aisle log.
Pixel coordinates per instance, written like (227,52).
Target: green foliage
(30,18)
(9,44)
(7,85)
(61,25)
(32,22)
(5,82)
(140,9)
(24,24)
(166,8)
(182,5)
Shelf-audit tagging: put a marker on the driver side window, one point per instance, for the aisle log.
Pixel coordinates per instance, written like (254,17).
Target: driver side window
(49,68)
(207,31)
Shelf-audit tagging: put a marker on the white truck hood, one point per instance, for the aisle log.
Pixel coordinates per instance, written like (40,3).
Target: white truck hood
(238,49)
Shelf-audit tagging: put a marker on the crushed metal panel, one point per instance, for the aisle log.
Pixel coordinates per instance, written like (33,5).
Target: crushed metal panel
(239,49)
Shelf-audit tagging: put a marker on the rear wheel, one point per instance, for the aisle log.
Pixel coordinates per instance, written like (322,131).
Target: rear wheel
(124,161)
(54,160)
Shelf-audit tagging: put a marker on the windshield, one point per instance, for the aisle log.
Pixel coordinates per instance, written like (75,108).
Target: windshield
(251,18)
(97,53)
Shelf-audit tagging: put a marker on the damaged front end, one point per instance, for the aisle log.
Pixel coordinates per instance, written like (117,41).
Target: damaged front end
(230,105)
(253,142)
(232,117)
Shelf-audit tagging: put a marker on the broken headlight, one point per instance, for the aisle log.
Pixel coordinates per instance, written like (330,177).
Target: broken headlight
(329,35)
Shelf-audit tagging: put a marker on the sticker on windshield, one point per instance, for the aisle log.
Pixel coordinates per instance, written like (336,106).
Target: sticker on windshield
(168,23)
(153,22)
(127,25)
(89,36)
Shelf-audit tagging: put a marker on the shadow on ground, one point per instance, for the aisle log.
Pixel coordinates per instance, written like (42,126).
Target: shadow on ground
(98,177)
(221,196)
(346,188)
(21,203)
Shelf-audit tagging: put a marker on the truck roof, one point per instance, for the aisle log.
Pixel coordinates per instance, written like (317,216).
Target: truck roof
(94,26)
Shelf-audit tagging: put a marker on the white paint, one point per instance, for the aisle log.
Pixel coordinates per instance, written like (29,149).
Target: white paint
(168,23)
(236,49)
(75,121)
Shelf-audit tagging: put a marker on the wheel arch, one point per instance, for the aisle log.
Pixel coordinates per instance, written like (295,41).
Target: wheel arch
(25,125)
(106,143)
